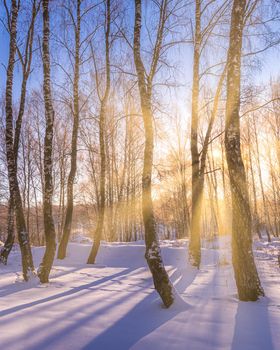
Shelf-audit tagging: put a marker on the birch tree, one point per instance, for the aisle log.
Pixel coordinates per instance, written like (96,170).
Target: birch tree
(153,253)
(102,120)
(23,236)
(46,264)
(76,116)
(246,275)
(25,58)
(201,37)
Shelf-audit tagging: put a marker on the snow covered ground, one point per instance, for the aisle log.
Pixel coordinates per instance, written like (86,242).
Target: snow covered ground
(112,305)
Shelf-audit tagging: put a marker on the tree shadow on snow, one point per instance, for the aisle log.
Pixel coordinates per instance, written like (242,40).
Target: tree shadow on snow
(54,297)
(20,285)
(252,329)
(182,279)
(141,320)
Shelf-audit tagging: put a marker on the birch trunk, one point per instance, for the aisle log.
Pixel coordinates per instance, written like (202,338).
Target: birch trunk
(26,68)
(101,209)
(197,180)
(23,237)
(46,264)
(153,253)
(246,276)
(199,158)
(69,208)
(102,116)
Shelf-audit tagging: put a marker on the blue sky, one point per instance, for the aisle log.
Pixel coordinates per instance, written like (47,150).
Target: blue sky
(270,64)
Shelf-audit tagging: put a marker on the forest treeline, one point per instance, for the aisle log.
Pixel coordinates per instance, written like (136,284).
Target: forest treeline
(127,120)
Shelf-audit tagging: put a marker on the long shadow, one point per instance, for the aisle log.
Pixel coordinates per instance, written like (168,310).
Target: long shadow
(17,287)
(184,274)
(252,330)
(138,322)
(143,319)
(20,286)
(55,334)
(64,294)
(54,338)
(186,279)
(131,322)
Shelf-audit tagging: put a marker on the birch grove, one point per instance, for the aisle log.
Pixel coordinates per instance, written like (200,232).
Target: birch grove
(147,121)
